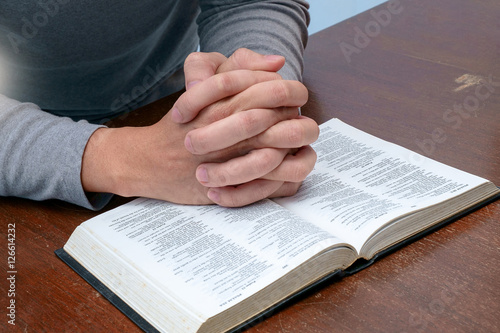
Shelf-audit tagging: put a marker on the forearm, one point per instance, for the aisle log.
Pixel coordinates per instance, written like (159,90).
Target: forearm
(266,27)
(40,155)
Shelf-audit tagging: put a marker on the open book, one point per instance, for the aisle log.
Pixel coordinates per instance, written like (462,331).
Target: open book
(176,268)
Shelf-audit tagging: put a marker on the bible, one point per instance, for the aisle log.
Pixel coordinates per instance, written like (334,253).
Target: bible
(181,268)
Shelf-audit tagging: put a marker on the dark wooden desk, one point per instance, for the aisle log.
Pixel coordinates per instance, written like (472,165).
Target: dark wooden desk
(403,86)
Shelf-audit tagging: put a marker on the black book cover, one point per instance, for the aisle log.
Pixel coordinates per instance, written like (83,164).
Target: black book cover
(357,266)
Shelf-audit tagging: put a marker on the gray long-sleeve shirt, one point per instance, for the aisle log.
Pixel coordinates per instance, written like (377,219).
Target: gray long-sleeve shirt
(66,66)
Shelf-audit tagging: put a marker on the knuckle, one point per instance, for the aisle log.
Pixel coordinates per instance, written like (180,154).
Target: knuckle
(280,92)
(292,188)
(225,83)
(301,167)
(218,176)
(261,190)
(300,172)
(240,57)
(222,178)
(230,200)
(295,135)
(197,57)
(194,57)
(242,52)
(267,158)
(199,141)
(248,123)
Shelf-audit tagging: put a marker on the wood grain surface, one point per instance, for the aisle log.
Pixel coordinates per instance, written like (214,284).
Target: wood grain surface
(429,80)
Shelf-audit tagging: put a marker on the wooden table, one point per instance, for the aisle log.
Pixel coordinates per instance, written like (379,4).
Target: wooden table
(421,80)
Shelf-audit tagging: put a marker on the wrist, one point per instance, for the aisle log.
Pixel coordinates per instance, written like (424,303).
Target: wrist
(132,161)
(102,165)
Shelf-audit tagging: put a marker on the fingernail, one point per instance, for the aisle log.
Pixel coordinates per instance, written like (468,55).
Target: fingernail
(176,115)
(191,84)
(202,174)
(214,195)
(273,58)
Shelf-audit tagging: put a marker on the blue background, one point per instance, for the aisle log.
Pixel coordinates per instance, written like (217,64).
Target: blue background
(325,13)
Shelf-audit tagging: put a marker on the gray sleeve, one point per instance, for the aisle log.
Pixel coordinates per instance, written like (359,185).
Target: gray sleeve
(41,155)
(267,27)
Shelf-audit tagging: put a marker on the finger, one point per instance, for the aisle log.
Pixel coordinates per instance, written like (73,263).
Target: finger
(241,195)
(235,128)
(286,190)
(214,89)
(247,59)
(242,169)
(199,66)
(292,133)
(271,94)
(294,168)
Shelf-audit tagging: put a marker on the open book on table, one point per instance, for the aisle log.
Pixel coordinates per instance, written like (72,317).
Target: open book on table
(176,268)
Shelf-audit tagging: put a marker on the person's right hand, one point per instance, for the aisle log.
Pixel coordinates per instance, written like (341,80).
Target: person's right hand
(231,181)
(299,161)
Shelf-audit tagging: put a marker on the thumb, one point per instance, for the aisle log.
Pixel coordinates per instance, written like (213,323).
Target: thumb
(200,66)
(250,60)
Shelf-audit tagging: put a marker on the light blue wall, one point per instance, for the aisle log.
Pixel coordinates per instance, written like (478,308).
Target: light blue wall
(325,13)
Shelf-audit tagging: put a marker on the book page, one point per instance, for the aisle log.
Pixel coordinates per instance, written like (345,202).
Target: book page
(361,182)
(209,253)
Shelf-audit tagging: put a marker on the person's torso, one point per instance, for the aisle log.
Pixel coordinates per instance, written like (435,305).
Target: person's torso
(81,57)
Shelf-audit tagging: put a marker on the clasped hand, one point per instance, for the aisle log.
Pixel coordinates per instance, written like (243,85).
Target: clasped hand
(233,138)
